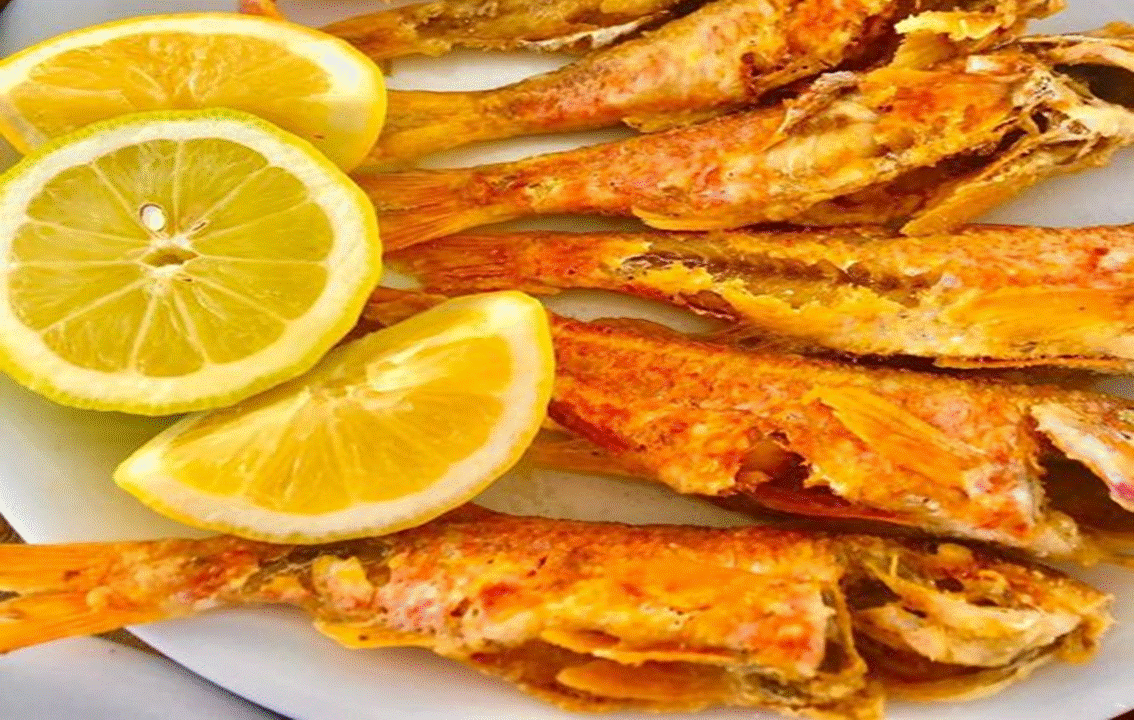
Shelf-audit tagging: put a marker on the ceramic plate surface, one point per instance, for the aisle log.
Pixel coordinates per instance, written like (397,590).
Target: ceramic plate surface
(89,678)
(55,463)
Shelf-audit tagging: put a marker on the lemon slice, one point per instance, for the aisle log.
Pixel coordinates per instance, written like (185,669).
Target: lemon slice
(166,262)
(305,81)
(389,431)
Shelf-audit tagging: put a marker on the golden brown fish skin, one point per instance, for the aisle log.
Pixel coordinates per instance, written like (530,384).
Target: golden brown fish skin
(599,616)
(724,56)
(938,141)
(980,296)
(682,617)
(435,28)
(953,456)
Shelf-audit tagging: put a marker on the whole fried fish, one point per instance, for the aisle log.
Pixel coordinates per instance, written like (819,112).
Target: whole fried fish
(983,296)
(960,457)
(596,616)
(724,56)
(435,28)
(927,142)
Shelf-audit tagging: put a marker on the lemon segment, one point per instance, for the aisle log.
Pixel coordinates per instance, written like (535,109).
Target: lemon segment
(305,81)
(169,262)
(387,432)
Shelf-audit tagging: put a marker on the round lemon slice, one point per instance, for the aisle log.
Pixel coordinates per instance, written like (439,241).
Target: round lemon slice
(167,262)
(305,81)
(388,432)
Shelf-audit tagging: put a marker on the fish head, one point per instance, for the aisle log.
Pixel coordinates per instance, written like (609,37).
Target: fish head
(938,619)
(1073,100)
(1101,62)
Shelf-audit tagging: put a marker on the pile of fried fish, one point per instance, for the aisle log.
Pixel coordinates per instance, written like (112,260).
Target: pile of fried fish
(901,391)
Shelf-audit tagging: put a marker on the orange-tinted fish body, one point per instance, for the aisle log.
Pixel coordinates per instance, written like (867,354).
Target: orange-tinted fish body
(723,56)
(980,296)
(923,143)
(956,456)
(598,616)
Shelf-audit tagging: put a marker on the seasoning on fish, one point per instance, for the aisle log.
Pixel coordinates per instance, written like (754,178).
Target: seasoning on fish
(435,28)
(961,457)
(726,55)
(924,143)
(983,296)
(598,616)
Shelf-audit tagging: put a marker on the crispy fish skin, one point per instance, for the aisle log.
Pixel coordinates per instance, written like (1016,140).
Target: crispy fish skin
(435,28)
(925,143)
(982,296)
(726,55)
(962,457)
(599,616)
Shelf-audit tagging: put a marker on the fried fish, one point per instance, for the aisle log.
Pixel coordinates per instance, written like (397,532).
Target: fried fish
(724,56)
(925,143)
(983,296)
(597,616)
(962,457)
(435,28)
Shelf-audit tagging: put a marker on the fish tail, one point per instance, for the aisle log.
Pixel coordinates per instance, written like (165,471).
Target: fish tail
(421,122)
(475,263)
(61,593)
(58,591)
(422,205)
(35,619)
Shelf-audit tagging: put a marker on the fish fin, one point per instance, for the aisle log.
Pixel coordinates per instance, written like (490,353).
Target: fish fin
(695,685)
(671,120)
(1049,314)
(389,34)
(662,221)
(971,195)
(37,568)
(1097,432)
(266,8)
(425,204)
(421,122)
(358,637)
(387,307)
(34,619)
(897,434)
(469,263)
(564,451)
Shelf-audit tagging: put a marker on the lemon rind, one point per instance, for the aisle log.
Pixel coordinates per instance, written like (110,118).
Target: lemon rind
(354,75)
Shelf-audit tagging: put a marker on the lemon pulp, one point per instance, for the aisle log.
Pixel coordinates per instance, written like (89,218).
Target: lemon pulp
(387,431)
(169,262)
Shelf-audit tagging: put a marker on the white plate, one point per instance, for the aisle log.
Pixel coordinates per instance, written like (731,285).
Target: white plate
(88,678)
(55,465)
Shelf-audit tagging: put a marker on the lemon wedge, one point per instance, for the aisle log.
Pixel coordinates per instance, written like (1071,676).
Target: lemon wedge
(166,262)
(305,81)
(388,432)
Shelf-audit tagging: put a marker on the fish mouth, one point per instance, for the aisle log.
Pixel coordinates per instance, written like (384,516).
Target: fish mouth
(1109,83)
(1102,62)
